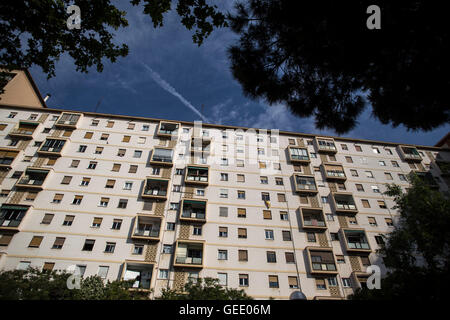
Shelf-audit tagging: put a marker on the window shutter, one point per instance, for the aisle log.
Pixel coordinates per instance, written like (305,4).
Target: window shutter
(267,214)
(303,200)
(59,241)
(281,197)
(223,212)
(48,217)
(36,241)
(110,183)
(371,220)
(104,136)
(116,167)
(58,197)
(5,239)
(131,126)
(97,220)
(48,266)
(121,152)
(273,278)
(98,149)
(75,163)
(110,124)
(223,229)
(31,196)
(69,218)
(88,135)
(66,180)
(67,133)
(148,205)
(241,212)
(320,282)
(242,232)
(79,197)
(126,139)
(51,161)
(240,178)
(293,281)
(133,169)
(243,255)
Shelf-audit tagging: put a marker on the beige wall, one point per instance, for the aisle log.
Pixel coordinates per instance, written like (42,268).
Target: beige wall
(20,92)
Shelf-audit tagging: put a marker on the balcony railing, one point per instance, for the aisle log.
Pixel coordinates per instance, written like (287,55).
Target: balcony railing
(30,182)
(13,223)
(25,132)
(155,192)
(323,266)
(188,260)
(345,206)
(193,215)
(336,173)
(314,223)
(147,233)
(197,178)
(358,245)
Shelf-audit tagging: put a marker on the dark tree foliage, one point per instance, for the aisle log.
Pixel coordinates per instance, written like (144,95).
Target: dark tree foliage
(204,289)
(417,252)
(320,59)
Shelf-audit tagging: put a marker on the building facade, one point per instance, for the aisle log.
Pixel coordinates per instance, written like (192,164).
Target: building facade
(163,202)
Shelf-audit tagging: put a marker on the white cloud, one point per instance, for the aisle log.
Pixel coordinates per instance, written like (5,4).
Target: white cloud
(166,86)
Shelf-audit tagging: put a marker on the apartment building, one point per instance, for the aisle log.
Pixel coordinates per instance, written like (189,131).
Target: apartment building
(163,202)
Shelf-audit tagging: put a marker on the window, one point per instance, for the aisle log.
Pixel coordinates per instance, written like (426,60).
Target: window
(35,242)
(271,257)
(389,222)
(359,187)
(138,249)
(88,245)
(104,136)
(379,240)
(402,177)
(267,214)
(313,155)
(163,274)
(269,234)
(240,163)
(223,193)
(344,147)
(395,164)
(170,226)
(12,115)
(375,189)
(66,180)
(223,232)
(23,265)
(94,123)
(281,197)
(75,163)
(178,172)
(48,217)
(243,280)
(382,204)
(354,173)
(137,154)
(381,163)
(13,143)
(346,282)
(243,255)
(121,152)
(122,203)
(224,162)
(286,235)
(88,135)
(92,165)
(110,247)
(273,282)
(59,243)
(265,196)
(173,206)
(110,183)
(126,138)
(349,159)
(329,217)
(284,216)
(332,282)
(242,233)
(264,180)
(167,248)
(68,220)
(30,196)
(98,150)
(48,266)
(224,177)
(241,194)
(156,171)
(291,142)
(262,164)
(240,178)
(103,271)
(82,148)
(117,223)
(222,255)
(77,200)
(369,174)
(293,282)
(145,127)
(223,211)
(311,236)
(289,257)
(279,181)
(96,223)
(128,185)
(365,203)
(104,202)
(324,199)
(57,198)
(197,230)
(375,150)
(372,221)
(358,148)
(388,176)
(340,259)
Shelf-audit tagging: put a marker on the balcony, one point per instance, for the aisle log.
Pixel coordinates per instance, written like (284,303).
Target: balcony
(333,172)
(11,216)
(139,271)
(32,179)
(146,227)
(167,129)
(197,175)
(313,218)
(52,147)
(409,153)
(325,145)
(321,260)
(155,188)
(356,240)
(7,157)
(305,184)
(193,210)
(24,130)
(189,253)
(298,155)
(162,156)
(68,120)
(344,203)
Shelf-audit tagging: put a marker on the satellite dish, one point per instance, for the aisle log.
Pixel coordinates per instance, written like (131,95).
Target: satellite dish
(297,295)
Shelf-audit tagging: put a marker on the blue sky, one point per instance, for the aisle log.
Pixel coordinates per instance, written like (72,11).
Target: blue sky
(166,76)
